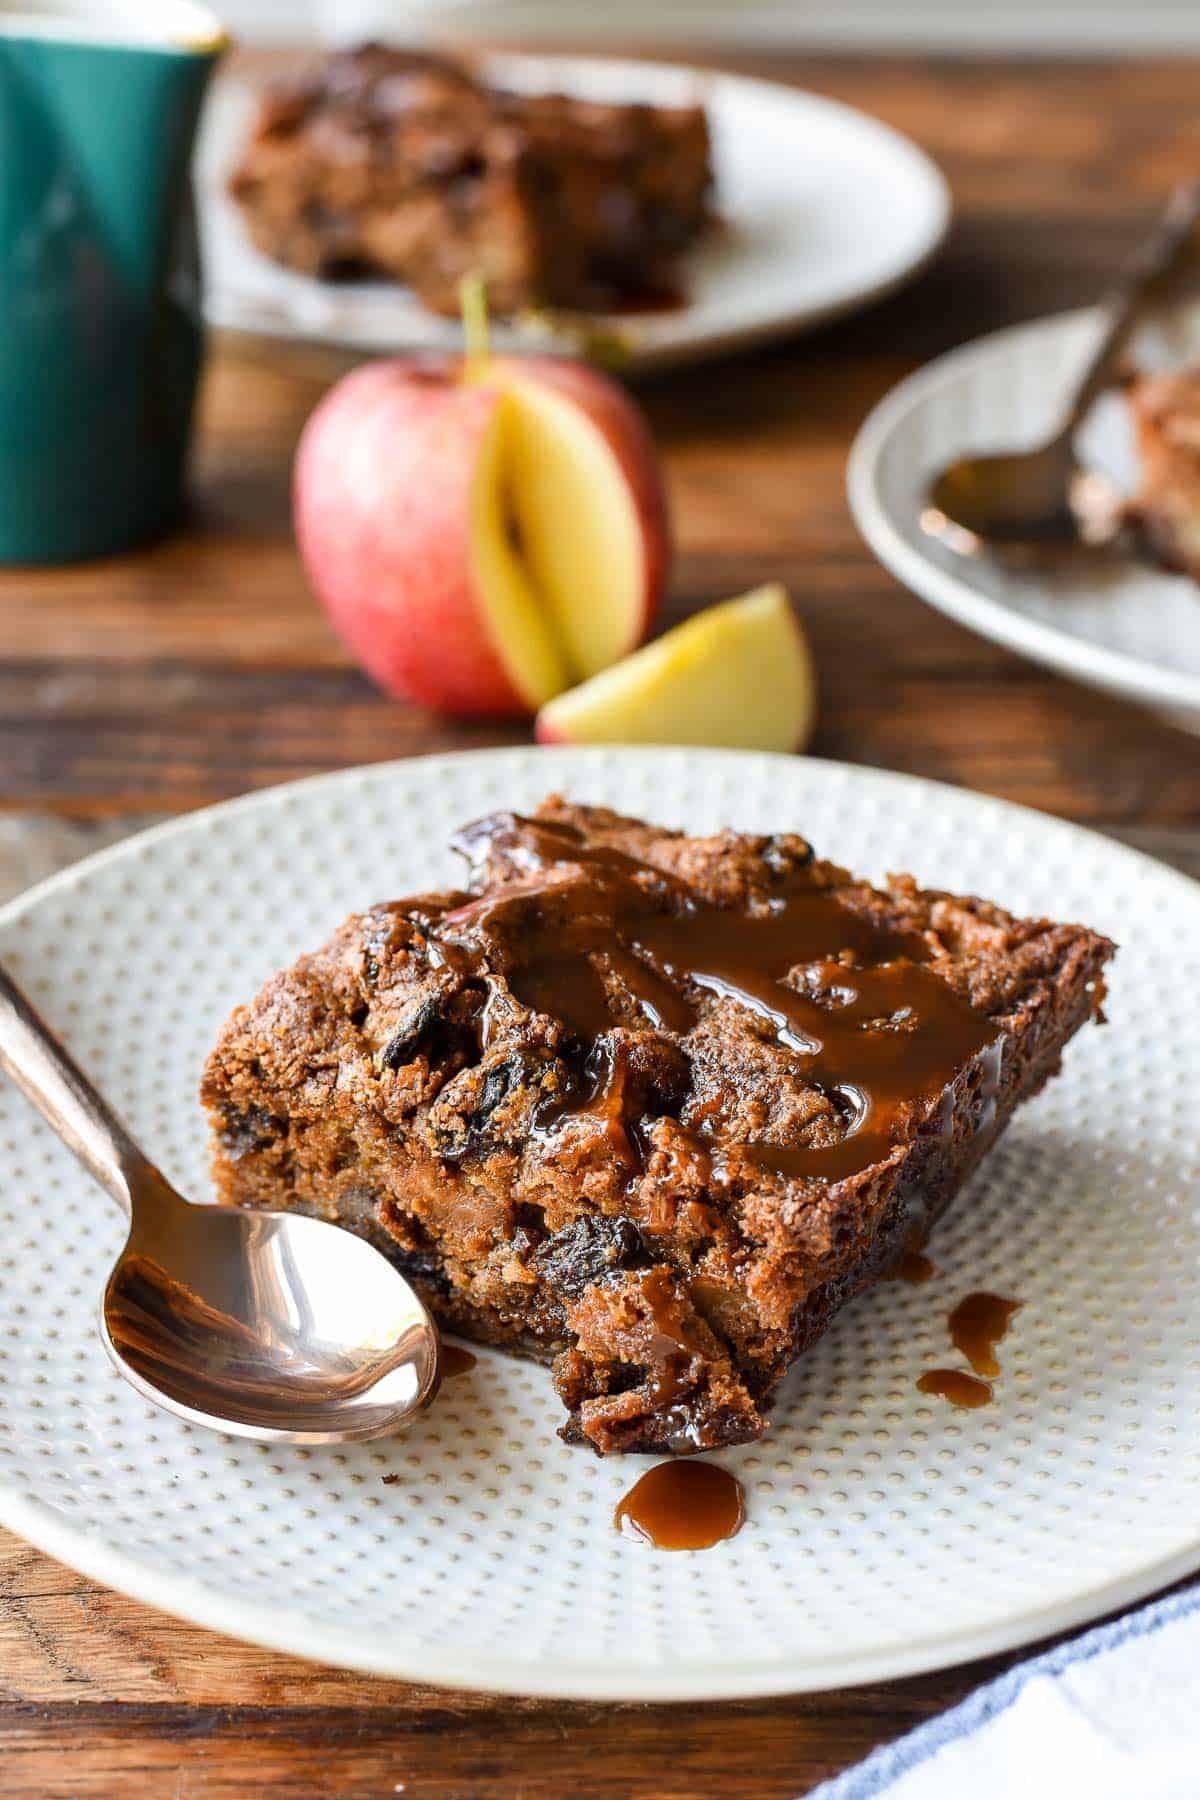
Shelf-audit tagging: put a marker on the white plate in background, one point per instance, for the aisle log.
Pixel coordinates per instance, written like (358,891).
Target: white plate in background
(886,1533)
(1114,622)
(822,209)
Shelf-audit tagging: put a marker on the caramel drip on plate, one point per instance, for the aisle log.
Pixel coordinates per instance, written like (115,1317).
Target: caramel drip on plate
(456,1361)
(682,1505)
(956,1386)
(977,1325)
(604,938)
(913,1266)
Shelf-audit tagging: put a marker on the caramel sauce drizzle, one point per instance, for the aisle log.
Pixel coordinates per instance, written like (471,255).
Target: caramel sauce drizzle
(878,1032)
(682,1505)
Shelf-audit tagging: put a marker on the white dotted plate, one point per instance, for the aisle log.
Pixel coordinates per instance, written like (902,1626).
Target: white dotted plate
(886,1532)
(1115,623)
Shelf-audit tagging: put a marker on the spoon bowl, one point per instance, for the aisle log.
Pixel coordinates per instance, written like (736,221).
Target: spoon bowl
(267,1325)
(274,1326)
(1042,497)
(1012,497)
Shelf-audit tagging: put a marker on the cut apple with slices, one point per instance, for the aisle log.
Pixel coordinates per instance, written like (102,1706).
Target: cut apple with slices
(738,675)
(482,537)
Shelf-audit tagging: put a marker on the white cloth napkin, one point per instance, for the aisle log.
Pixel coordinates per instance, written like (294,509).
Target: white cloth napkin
(1113,1715)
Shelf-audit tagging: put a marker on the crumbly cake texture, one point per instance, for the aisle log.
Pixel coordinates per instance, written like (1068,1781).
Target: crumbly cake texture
(1166,506)
(638,1207)
(393,162)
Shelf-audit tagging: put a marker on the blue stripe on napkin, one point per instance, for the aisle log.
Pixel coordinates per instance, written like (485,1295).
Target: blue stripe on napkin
(874,1777)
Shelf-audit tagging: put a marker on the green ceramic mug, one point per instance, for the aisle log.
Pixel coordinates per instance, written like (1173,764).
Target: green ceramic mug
(100,332)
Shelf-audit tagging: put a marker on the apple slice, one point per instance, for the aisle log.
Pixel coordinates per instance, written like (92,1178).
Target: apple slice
(738,675)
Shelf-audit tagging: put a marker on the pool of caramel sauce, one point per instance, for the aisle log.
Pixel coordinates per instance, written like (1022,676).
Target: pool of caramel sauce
(682,1505)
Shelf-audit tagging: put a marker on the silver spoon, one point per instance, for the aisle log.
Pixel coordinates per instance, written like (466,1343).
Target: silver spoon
(268,1325)
(1043,496)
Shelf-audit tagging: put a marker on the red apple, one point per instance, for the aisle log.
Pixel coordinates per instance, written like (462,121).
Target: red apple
(481,542)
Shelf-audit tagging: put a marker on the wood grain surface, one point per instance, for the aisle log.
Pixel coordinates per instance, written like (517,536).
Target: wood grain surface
(201,668)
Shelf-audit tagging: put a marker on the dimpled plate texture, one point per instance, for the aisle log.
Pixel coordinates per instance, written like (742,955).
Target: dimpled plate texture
(1111,621)
(886,1532)
(822,209)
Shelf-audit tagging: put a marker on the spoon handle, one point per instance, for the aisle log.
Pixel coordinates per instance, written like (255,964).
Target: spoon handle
(1164,252)
(34,1060)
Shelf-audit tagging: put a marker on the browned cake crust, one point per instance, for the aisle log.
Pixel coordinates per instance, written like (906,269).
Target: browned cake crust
(583,1152)
(1166,507)
(408,165)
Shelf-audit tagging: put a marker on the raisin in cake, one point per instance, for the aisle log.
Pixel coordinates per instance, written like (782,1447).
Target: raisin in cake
(649,1106)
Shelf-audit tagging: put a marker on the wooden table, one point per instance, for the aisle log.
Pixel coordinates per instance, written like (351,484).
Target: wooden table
(201,668)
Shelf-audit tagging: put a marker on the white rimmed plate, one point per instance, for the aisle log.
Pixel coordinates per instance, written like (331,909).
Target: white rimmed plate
(823,209)
(886,1532)
(1115,622)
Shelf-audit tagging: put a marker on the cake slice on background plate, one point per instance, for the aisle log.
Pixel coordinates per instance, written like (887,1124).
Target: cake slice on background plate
(401,163)
(1165,508)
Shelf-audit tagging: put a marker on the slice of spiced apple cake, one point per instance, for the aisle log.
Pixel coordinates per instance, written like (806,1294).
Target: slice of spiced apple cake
(649,1107)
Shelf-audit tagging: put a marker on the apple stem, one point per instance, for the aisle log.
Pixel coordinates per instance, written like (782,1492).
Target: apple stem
(472,300)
